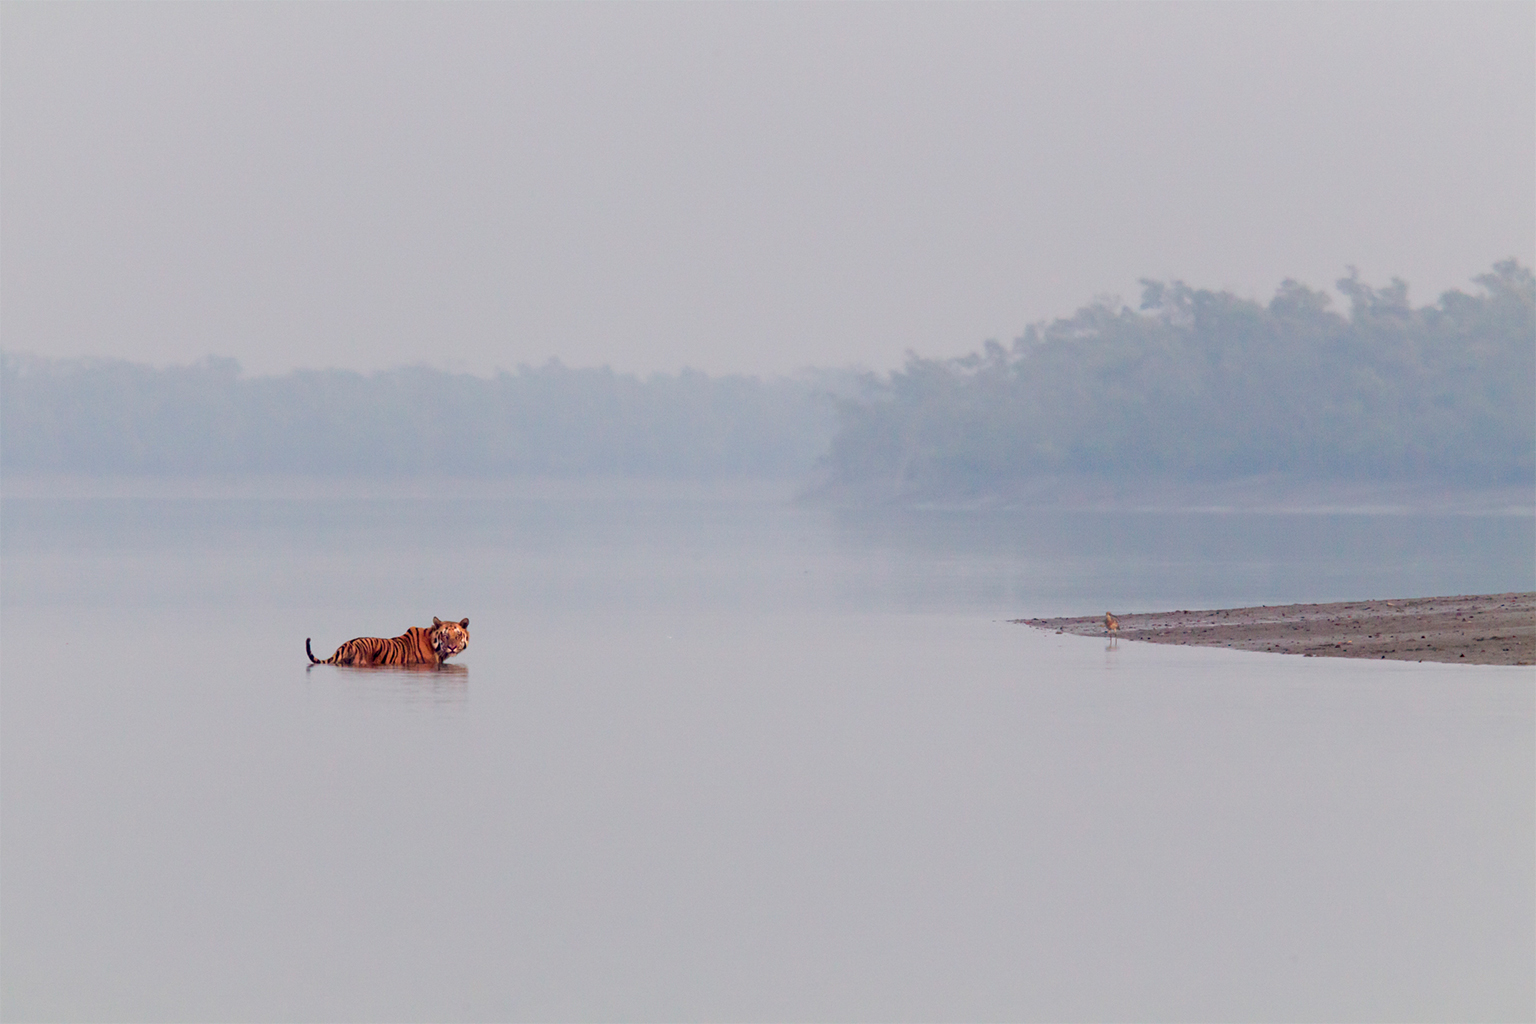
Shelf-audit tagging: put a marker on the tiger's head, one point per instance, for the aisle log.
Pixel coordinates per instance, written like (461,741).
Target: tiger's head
(449,638)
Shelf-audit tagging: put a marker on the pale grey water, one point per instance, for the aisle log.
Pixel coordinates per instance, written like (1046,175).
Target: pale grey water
(717,757)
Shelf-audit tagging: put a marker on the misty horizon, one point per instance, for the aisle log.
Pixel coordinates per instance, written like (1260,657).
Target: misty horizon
(1334,296)
(1194,386)
(743,189)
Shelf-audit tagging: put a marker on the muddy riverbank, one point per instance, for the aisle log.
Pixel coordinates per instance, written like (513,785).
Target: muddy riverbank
(1487,629)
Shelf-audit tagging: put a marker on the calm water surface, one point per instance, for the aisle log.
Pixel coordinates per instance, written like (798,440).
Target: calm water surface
(713,756)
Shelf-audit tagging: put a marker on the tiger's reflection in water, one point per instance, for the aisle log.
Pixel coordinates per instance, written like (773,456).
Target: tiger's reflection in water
(436,688)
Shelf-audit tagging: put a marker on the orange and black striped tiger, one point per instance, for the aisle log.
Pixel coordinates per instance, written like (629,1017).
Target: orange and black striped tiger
(416,646)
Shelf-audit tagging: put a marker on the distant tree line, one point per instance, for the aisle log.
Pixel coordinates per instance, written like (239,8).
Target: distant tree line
(1199,385)
(98,416)
(1194,385)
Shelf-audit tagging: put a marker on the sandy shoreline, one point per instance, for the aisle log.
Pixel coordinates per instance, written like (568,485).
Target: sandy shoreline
(1487,629)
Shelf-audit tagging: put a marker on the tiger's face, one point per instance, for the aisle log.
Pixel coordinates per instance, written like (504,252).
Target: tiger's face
(449,638)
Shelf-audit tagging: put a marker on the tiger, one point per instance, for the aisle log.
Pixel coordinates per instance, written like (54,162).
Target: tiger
(416,646)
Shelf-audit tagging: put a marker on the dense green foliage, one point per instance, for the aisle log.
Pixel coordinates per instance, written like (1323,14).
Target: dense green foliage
(1202,385)
(117,417)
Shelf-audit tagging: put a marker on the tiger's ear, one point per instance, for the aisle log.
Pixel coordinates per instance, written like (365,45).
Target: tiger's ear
(436,621)
(464,623)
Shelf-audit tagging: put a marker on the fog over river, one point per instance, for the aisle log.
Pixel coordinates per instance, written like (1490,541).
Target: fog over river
(711,754)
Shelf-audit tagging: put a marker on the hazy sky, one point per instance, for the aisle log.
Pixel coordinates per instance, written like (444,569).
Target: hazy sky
(731,187)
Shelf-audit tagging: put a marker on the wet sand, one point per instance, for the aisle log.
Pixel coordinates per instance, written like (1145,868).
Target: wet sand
(1487,629)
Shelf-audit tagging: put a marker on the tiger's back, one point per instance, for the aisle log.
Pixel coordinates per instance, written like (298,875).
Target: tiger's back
(377,651)
(416,646)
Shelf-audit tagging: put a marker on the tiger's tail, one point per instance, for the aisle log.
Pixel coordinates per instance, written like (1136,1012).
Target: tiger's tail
(312,659)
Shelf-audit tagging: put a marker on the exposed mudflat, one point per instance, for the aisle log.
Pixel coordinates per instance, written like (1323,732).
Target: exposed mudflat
(1487,629)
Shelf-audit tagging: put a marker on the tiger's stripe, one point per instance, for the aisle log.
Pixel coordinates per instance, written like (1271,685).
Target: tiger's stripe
(416,646)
